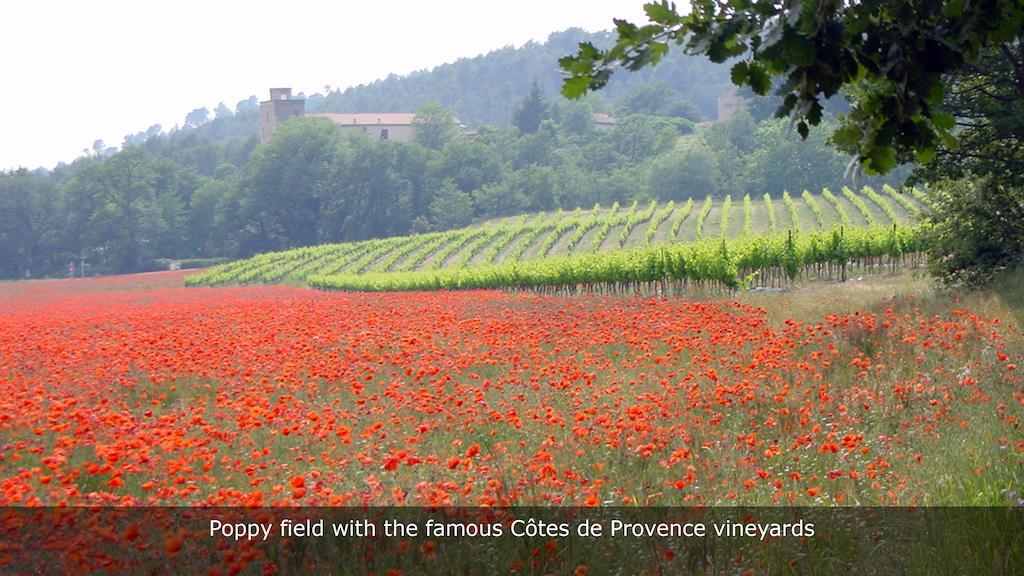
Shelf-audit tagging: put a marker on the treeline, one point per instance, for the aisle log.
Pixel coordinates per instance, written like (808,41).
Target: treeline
(122,211)
(187,195)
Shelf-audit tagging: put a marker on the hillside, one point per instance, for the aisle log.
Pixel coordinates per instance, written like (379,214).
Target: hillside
(486,89)
(599,230)
(483,90)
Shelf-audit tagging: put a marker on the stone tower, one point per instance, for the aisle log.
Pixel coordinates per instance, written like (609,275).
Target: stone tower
(279,108)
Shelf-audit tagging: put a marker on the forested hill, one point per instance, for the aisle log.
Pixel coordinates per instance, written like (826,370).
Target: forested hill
(485,90)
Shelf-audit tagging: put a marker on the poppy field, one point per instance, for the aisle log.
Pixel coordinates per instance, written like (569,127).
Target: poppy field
(136,391)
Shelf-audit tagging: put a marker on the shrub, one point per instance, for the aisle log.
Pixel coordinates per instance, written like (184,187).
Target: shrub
(977,230)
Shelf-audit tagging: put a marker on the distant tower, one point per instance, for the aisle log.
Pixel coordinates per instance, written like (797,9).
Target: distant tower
(279,108)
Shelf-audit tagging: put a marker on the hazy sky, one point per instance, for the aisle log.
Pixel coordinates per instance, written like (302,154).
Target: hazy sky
(77,70)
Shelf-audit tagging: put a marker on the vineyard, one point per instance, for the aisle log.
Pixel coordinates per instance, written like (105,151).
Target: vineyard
(720,242)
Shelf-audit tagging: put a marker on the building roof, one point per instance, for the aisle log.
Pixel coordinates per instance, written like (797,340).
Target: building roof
(602,118)
(369,118)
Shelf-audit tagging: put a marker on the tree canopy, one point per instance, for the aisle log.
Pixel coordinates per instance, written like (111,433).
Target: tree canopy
(531,111)
(435,125)
(986,99)
(894,52)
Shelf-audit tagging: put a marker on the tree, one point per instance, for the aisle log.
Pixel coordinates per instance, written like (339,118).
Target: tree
(113,214)
(435,125)
(100,149)
(976,230)
(141,137)
(977,188)
(639,137)
(574,118)
(737,133)
(250,105)
(416,165)
(280,198)
(987,101)
(784,162)
(173,186)
(895,52)
(222,111)
(451,207)
(539,147)
(498,199)
(366,195)
(539,186)
(762,108)
(206,219)
(649,99)
(469,165)
(689,172)
(657,99)
(531,111)
(732,143)
(197,117)
(27,239)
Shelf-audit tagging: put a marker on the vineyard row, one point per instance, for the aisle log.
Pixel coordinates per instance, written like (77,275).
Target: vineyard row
(735,263)
(577,233)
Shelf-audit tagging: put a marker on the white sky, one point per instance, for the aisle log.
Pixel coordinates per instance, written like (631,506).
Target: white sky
(77,70)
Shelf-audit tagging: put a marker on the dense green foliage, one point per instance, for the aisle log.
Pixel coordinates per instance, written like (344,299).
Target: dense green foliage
(941,82)
(978,186)
(531,111)
(977,230)
(511,243)
(122,211)
(311,185)
(987,101)
(894,53)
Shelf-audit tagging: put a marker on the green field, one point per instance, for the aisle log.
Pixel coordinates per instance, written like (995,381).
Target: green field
(545,246)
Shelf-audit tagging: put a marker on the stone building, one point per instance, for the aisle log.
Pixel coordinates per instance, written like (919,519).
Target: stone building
(279,108)
(397,126)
